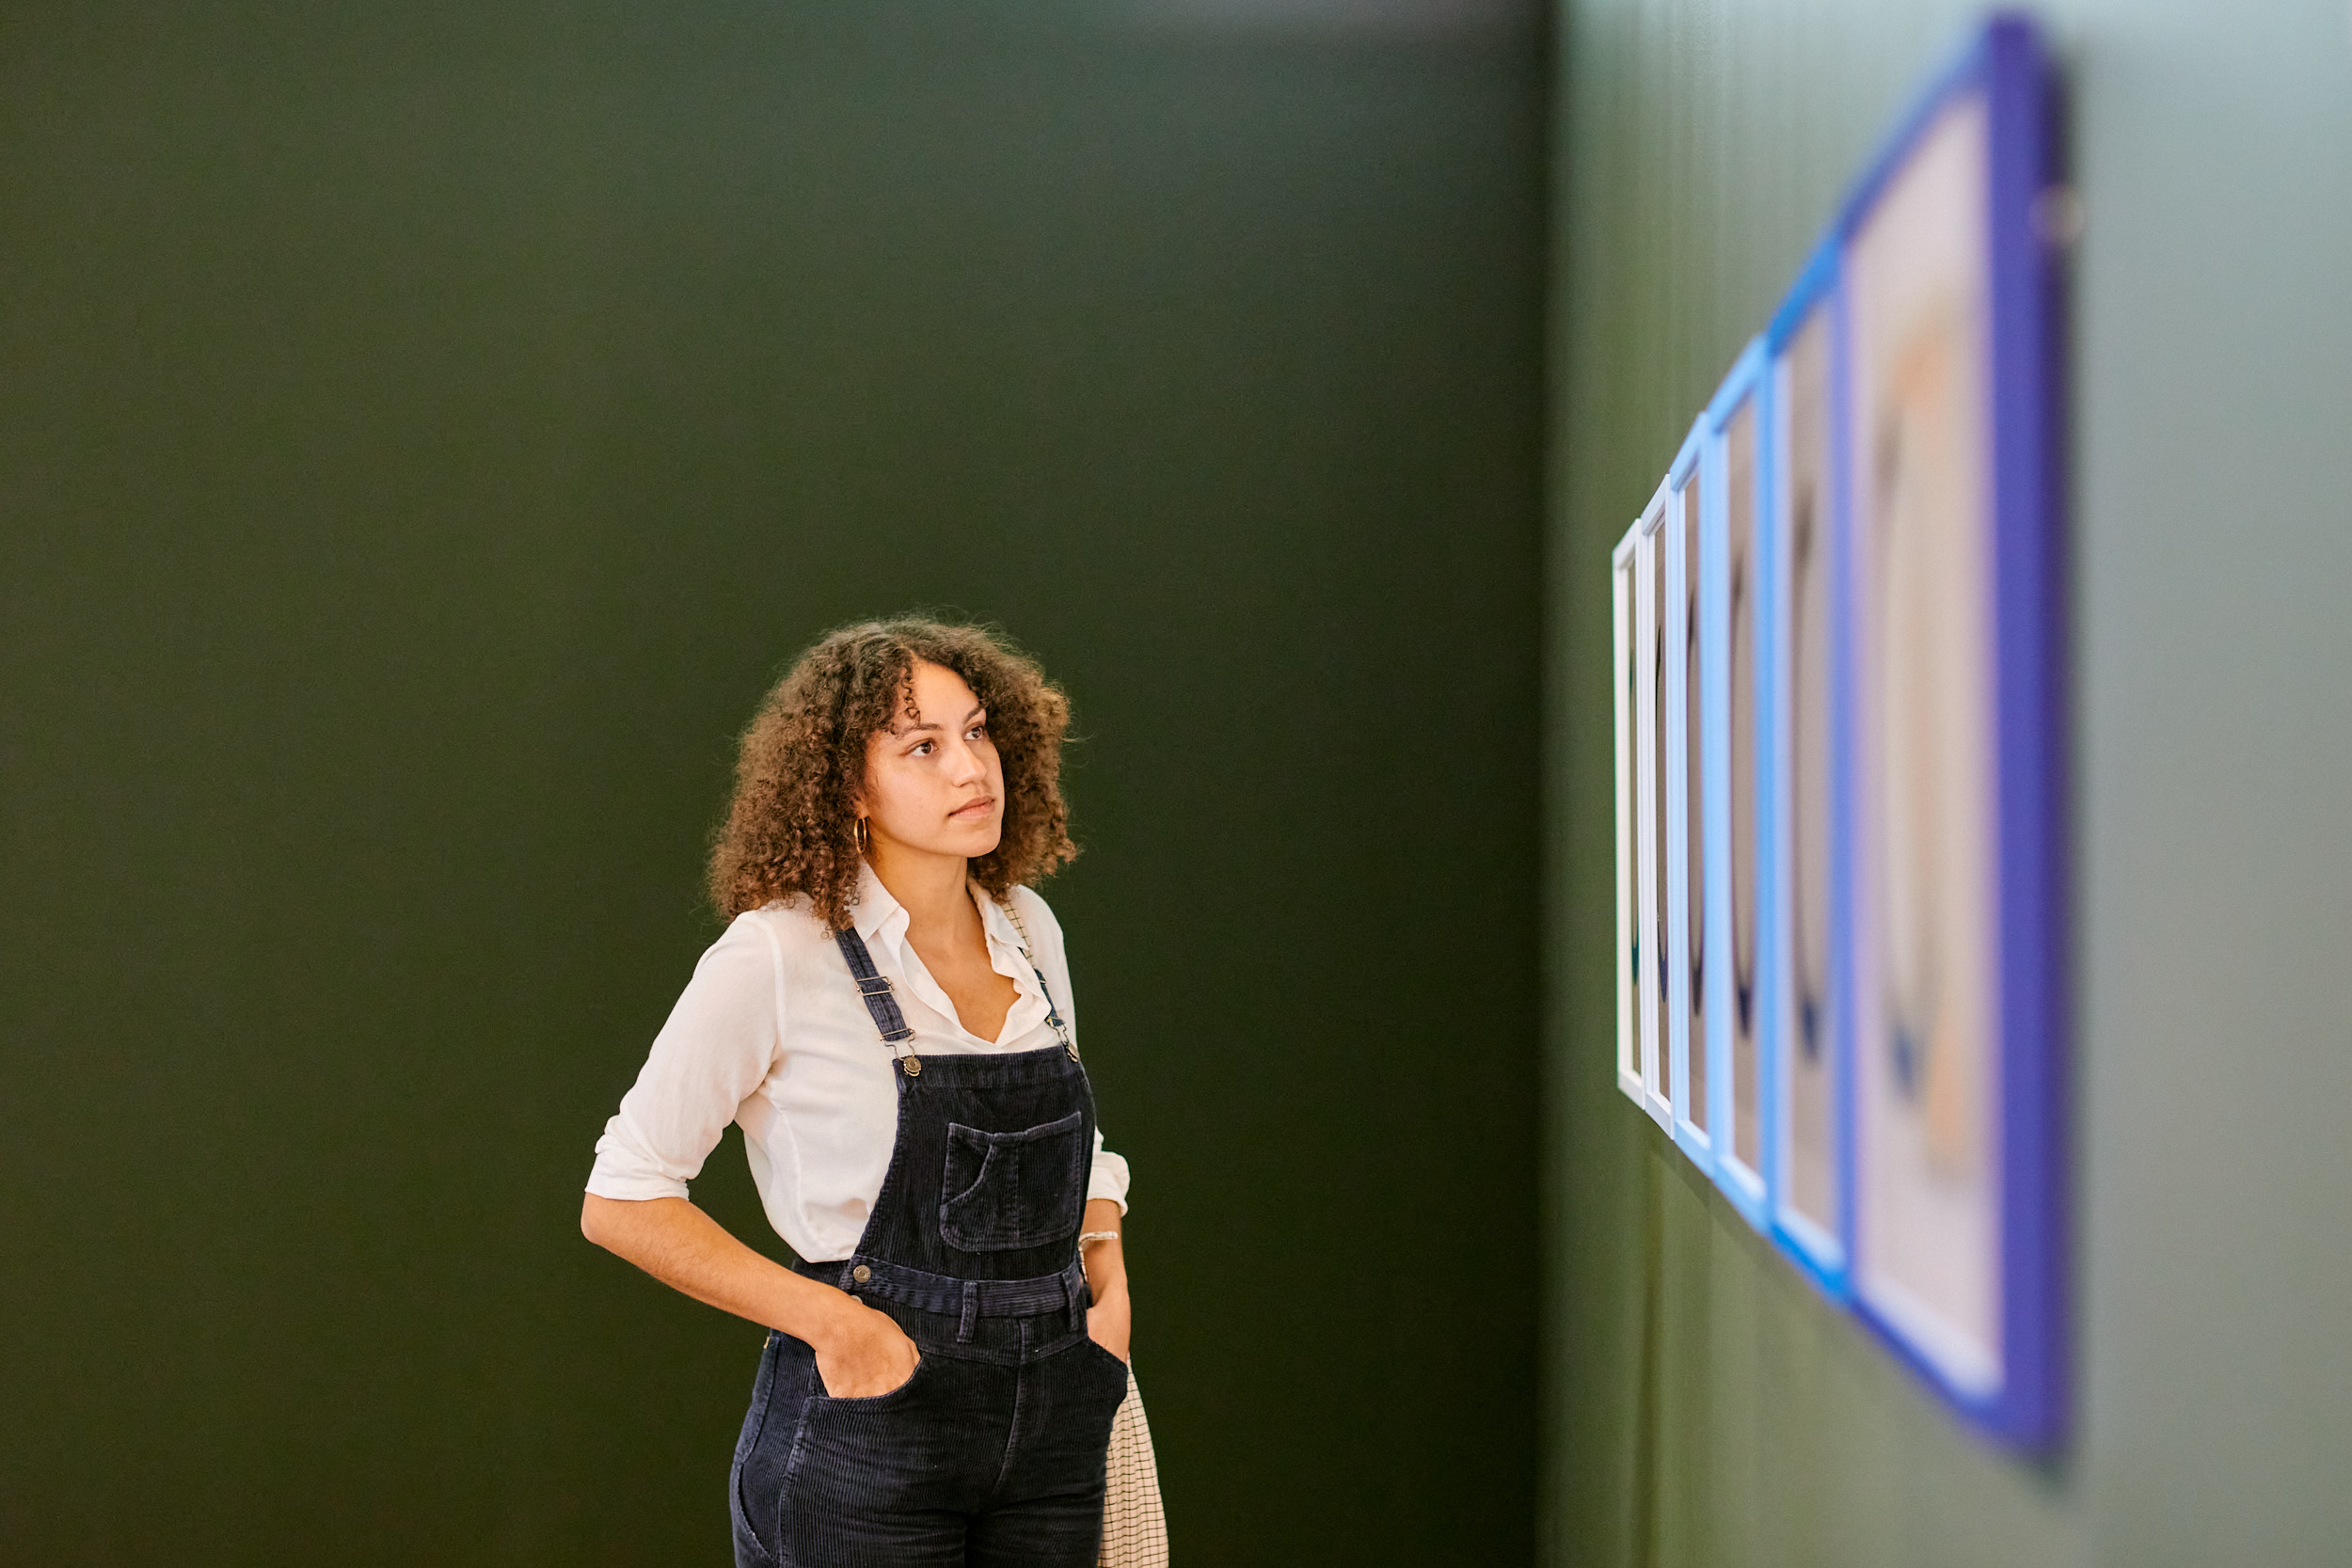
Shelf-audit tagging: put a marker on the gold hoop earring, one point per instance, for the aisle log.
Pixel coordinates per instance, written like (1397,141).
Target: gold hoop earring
(861,836)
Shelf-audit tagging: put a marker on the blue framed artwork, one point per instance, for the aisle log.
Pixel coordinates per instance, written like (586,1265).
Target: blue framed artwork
(1735,469)
(1688,851)
(1954,744)
(1801,960)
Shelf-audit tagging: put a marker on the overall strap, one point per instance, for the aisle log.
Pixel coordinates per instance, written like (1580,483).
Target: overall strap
(873,985)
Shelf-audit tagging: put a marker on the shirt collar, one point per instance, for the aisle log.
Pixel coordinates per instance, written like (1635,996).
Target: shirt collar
(872,909)
(879,915)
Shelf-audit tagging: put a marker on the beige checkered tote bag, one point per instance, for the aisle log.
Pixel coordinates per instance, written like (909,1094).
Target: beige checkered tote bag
(1135,1531)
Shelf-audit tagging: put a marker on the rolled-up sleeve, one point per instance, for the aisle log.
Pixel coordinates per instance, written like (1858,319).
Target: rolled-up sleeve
(716,1050)
(1110,1176)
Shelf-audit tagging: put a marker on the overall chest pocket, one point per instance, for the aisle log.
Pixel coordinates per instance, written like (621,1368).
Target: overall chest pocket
(1007,1189)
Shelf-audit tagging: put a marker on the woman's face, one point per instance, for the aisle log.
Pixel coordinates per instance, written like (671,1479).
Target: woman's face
(933,784)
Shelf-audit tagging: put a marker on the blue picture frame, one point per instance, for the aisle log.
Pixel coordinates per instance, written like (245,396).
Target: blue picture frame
(1801,721)
(1685,992)
(1954,745)
(1735,458)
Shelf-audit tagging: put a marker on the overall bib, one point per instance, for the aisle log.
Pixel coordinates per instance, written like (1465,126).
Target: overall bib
(992,1452)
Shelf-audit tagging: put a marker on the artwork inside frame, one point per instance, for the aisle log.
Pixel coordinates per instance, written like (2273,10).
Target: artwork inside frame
(1624,586)
(1688,850)
(1956,814)
(1927,1153)
(1737,468)
(1799,991)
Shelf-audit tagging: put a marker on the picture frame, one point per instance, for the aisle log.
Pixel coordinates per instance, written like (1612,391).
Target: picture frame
(1650,813)
(1624,586)
(1955,742)
(1735,461)
(1803,957)
(1688,1090)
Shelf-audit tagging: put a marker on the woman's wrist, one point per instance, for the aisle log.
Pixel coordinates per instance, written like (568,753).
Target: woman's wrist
(827,1318)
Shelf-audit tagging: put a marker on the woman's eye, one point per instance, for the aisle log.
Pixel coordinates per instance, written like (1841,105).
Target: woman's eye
(922,748)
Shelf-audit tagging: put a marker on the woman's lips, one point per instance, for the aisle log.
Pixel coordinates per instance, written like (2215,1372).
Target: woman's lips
(980,807)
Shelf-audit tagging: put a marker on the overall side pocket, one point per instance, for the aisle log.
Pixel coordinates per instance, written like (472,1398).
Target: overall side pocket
(770,1430)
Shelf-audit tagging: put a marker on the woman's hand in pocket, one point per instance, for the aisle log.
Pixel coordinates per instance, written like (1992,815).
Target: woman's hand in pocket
(1102,1249)
(864,1353)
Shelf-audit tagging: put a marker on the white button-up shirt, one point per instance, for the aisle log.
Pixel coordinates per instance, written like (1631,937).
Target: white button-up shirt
(771,1035)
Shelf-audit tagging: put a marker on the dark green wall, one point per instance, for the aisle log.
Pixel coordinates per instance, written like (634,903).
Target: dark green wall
(425,429)
(1705,143)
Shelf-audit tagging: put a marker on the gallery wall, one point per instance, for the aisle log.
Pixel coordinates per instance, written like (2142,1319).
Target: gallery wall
(1703,1405)
(425,429)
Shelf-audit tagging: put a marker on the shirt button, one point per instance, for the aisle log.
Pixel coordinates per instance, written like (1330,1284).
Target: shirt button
(861,1273)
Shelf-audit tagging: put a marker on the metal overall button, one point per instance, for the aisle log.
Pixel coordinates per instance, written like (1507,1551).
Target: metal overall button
(912,1066)
(861,1273)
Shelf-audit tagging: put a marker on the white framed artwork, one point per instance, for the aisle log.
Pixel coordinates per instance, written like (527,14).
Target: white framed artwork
(1625,704)
(1687,847)
(1650,624)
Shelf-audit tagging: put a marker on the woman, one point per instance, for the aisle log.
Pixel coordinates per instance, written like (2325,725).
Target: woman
(886,1017)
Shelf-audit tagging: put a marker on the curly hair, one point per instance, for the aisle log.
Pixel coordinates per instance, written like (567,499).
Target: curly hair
(803,759)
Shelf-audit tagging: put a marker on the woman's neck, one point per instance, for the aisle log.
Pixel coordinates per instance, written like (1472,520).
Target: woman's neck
(934,890)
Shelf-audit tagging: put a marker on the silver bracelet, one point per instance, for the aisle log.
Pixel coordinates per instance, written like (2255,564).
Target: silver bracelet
(1085,1236)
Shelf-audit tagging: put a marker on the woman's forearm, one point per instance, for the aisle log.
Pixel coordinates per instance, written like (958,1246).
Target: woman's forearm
(689,1251)
(1111,1319)
(1105,1260)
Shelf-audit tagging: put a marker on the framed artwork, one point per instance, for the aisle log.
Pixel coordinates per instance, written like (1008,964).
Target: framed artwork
(1734,470)
(1802,640)
(1648,777)
(1624,587)
(1839,685)
(1688,850)
(1950,521)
